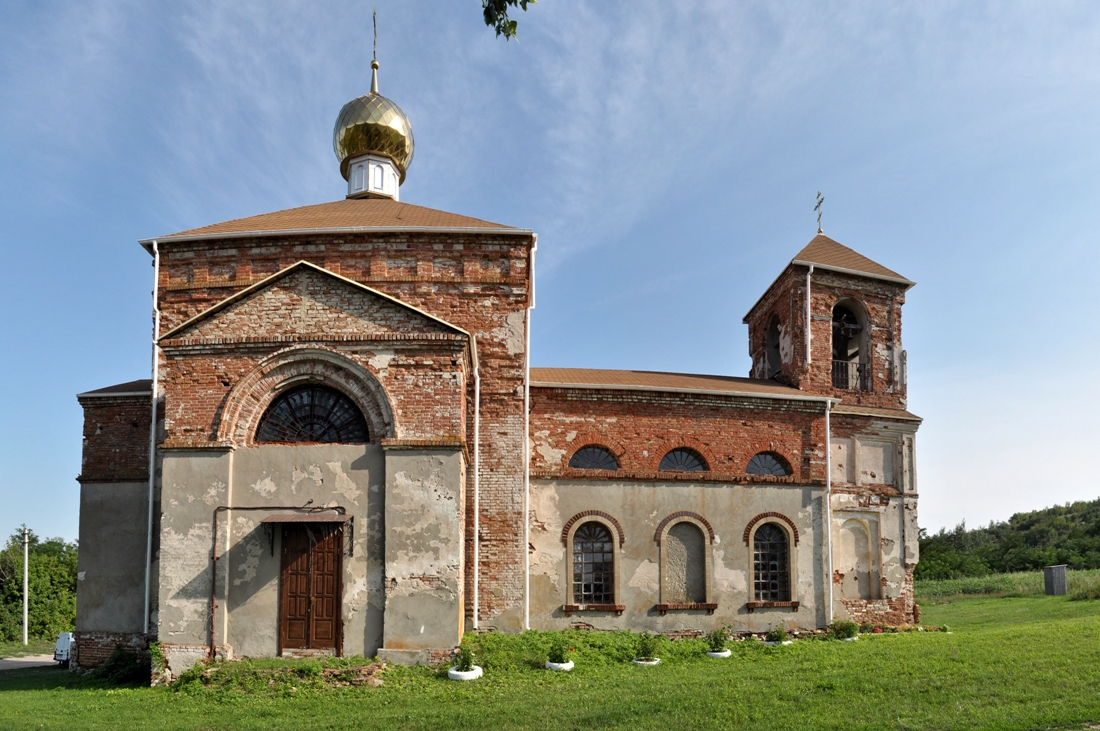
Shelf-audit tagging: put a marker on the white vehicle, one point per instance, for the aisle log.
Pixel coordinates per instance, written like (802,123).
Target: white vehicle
(61,649)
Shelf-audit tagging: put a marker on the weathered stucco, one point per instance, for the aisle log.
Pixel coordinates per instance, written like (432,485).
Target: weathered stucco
(639,507)
(110,586)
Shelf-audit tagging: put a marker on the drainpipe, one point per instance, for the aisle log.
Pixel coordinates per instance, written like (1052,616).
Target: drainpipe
(527,443)
(152,436)
(809,336)
(828,512)
(477,481)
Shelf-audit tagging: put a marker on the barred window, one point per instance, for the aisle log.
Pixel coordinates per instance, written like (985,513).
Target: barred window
(768,463)
(594,457)
(312,413)
(771,564)
(683,459)
(593,565)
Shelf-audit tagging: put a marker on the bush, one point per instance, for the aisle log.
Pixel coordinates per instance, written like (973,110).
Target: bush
(716,640)
(52,584)
(647,646)
(777,634)
(466,658)
(124,668)
(843,629)
(559,649)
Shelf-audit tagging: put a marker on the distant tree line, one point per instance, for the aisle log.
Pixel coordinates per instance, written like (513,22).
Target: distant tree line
(52,583)
(1067,534)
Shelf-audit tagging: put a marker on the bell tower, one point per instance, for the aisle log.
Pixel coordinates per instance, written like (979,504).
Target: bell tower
(831,324)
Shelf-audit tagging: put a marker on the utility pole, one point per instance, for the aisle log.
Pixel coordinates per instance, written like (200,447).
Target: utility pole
(26,541)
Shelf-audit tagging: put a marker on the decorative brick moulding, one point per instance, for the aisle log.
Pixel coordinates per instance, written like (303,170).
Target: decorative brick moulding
(568,609)
(676,516)
(590,514)
(709,606)
(767,605)
(769,514)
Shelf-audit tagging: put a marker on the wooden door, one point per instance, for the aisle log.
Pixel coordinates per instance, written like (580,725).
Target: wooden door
(309,596)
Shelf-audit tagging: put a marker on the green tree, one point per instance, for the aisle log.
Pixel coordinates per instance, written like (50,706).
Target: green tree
(496,15)
(52,584)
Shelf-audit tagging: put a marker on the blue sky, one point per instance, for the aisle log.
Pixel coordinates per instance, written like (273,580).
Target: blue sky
(667,154)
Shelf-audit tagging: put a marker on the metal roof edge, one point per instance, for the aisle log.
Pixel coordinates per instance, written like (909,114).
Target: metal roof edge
(702,391)
(500,231)
(117,394)
(854,272)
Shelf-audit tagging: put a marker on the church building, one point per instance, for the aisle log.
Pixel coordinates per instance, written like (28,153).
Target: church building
(343,447)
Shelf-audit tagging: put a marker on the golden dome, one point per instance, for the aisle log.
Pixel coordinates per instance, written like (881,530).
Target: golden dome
(373,125)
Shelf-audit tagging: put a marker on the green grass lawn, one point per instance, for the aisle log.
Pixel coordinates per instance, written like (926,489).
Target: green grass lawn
(33,647)
(1009,663)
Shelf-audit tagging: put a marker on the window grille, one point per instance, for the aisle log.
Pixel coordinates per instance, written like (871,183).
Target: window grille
(312,414)
(767,463)
(593,565)
(771,564)
(593,457)
(683,459)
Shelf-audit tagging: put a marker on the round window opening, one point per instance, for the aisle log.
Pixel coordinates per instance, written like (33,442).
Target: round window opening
(312,414)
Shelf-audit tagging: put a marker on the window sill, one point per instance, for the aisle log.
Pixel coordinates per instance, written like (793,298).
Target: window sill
(618,609)
(793,606)
(709,606)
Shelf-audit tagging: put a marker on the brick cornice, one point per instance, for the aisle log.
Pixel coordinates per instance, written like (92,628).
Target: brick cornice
(591,514)
(765,516)
(729,478)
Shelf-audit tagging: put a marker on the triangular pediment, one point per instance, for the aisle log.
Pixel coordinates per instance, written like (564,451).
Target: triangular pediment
(306,302)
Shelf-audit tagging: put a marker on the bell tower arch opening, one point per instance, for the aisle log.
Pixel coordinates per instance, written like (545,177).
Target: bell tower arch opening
(851,346)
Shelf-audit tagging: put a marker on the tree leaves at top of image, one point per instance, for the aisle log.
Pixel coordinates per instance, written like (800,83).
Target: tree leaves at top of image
(496,15)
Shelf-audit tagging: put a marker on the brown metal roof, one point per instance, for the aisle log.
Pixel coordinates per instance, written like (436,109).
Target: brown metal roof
(345,215)
(658,381)
(825,252)
(140,386)
(875,411)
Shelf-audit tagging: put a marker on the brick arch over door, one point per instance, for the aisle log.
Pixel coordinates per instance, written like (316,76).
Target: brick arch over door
(765,516)
(677,516)
(590,514)
(249,398)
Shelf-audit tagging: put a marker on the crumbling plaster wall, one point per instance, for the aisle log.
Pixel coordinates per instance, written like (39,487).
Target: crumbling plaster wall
(639,507)
(247,590)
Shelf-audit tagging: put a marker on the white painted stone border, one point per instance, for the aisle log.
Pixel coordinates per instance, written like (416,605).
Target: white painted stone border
(564,667)
(455,674)
(722,653)
(850,639)
(650,662)
(784,642)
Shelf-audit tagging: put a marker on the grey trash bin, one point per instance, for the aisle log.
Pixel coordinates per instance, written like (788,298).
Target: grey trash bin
(1054,580)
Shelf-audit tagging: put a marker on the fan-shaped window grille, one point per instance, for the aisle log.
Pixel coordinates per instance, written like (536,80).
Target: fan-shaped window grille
(767,463)
(771,564)
(593,457)
(683,459)
(312,414)
(593,565)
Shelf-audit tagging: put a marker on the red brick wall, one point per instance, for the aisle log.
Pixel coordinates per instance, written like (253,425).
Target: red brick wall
(116,439)
(643,426)
(93,648)
(479,282)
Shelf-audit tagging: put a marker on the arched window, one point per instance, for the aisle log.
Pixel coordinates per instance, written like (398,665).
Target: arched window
(851,368)
(683,565)
(771,564)
(773,364)
(683,459)
(593,457)
(593,565)
(768,463)
(312,413)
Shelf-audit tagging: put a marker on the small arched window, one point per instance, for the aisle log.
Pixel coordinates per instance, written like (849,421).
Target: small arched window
(768,463)
(851,368)
(312,413)
(593,565)
(593,457)
(771,564)
(683,459)
(773,364)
